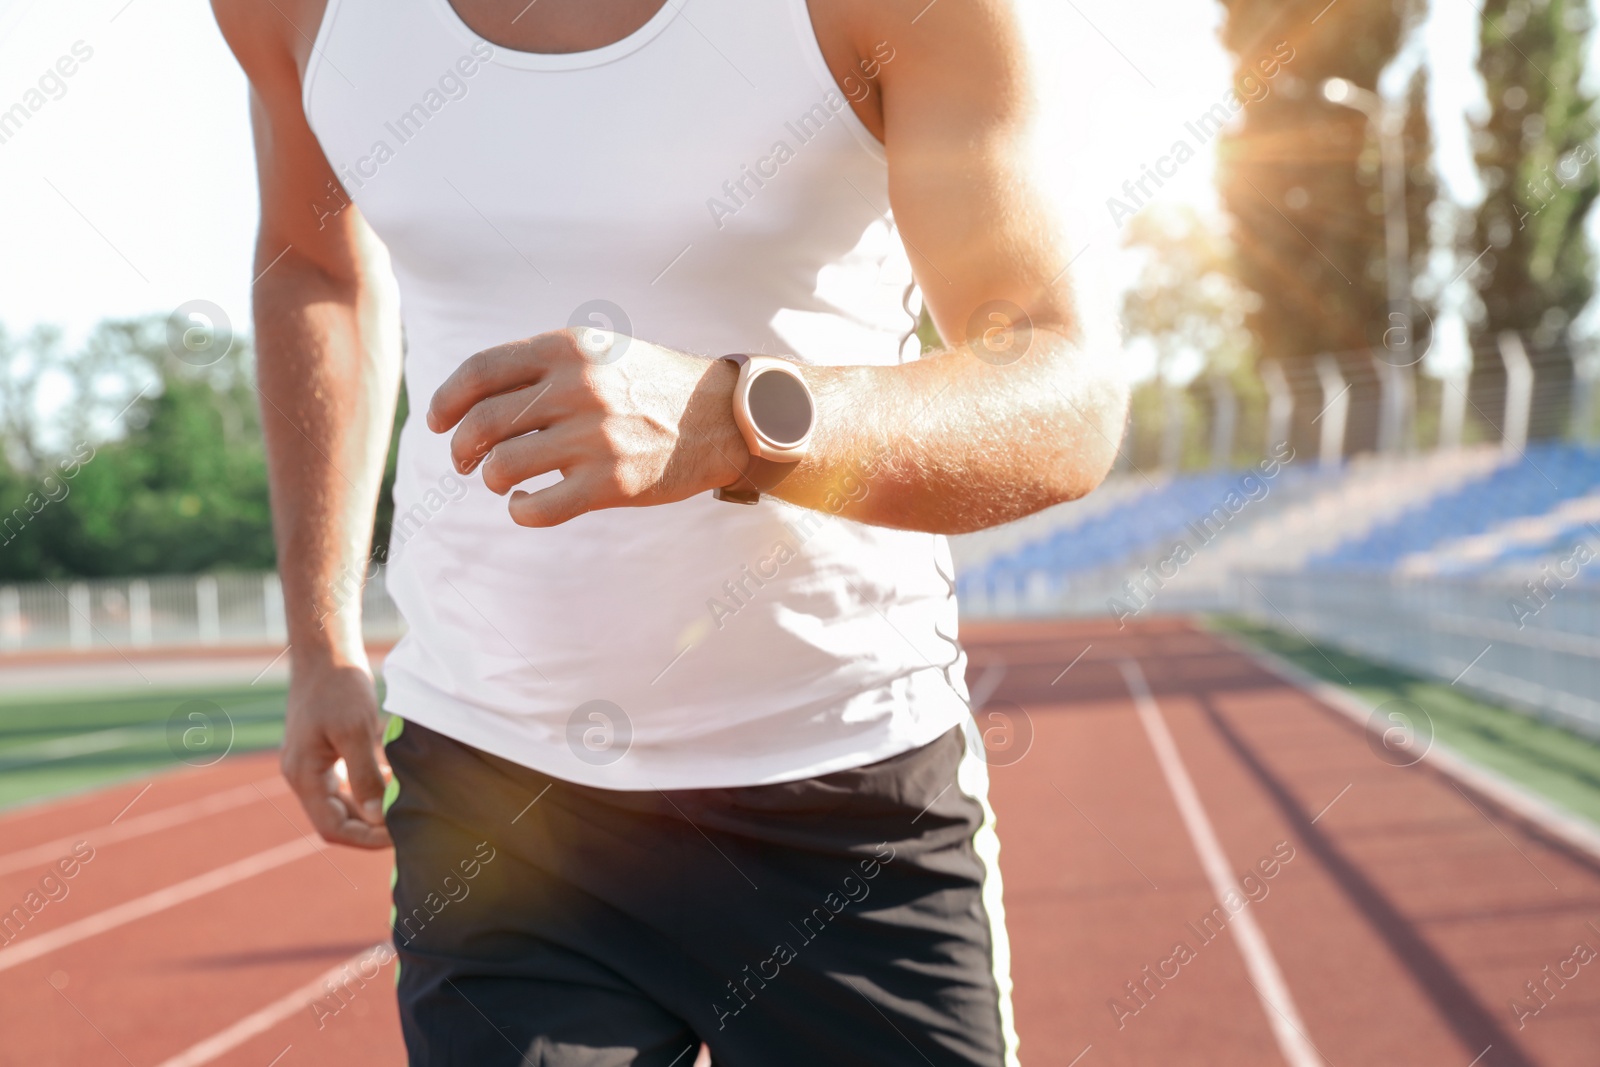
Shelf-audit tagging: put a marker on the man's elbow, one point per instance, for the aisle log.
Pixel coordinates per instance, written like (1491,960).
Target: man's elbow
(1090,446)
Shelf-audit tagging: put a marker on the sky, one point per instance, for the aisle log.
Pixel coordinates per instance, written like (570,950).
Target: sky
(132,190)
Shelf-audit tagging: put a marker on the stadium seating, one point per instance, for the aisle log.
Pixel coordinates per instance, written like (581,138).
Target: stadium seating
(1525,509)
(1465,511)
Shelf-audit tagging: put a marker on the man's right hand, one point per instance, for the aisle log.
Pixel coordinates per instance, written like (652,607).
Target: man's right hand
(327,339)
(333,715)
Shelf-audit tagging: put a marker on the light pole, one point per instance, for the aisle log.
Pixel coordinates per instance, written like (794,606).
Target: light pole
(1389,121)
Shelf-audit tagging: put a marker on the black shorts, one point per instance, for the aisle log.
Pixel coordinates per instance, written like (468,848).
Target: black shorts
(843,919)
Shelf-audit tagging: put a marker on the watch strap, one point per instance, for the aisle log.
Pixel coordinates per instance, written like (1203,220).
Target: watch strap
(760,475)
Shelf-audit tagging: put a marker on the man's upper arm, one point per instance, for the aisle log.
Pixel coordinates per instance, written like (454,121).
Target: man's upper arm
(958,108)
(305,214)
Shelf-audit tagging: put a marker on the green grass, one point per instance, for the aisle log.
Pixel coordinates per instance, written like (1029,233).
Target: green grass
(50,746)
(1559,765)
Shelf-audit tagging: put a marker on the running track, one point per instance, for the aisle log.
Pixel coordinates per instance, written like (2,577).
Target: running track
(1408,920)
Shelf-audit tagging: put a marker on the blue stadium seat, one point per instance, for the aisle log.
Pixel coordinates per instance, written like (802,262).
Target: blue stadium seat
(1549,474)
(1546,476)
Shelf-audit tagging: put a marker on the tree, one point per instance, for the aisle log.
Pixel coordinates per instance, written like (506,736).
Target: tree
(147,464)
(1536,155)
(153,466)
(1189,310)
(1186,302)
(1300,177)
(383,525)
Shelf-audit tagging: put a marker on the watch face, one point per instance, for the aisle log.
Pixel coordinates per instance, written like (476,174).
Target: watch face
(780,407)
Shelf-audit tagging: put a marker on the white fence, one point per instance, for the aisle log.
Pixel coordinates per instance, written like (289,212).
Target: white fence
(1539,652)
(174,612)
(1543,656)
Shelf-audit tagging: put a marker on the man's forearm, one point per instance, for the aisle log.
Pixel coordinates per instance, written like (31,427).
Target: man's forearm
(328,371)
(954,442)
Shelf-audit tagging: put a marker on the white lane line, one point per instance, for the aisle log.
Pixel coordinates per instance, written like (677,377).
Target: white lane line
(1572,829)
(259,1022)
(160,900)
(161,819)
(1282,1015)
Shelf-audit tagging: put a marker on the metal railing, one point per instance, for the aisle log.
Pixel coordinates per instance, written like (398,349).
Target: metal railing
(1340,404)
(1533,648)
(1542,656)
(168,612)
(1537,649)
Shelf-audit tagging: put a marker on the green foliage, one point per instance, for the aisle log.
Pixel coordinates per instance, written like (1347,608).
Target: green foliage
(927,332)
(1186,303)
(120,459)
(1189,309)
(384,523)
(1535,151)
(175,483)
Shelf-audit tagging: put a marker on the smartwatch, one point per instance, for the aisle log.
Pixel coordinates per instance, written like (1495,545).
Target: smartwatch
(773,409)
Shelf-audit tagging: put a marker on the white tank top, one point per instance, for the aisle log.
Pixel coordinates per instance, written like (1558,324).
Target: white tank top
(702,184)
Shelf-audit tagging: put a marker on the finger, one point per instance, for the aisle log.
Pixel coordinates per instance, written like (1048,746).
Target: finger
(485,374)
(349,828)
(567,499)
(499,418)
(341,824)
(515,461)
(358,746)
(311,778)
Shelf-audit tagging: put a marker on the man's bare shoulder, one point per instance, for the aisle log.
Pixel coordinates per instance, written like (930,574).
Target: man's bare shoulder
(917,26)
(944,50)
(272,41)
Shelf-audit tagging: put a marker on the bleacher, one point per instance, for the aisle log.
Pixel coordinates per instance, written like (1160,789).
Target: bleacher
(1140,521)
(1456,512)
(1532,507)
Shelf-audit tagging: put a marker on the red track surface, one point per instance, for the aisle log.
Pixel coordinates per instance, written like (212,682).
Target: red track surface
(1404,927)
